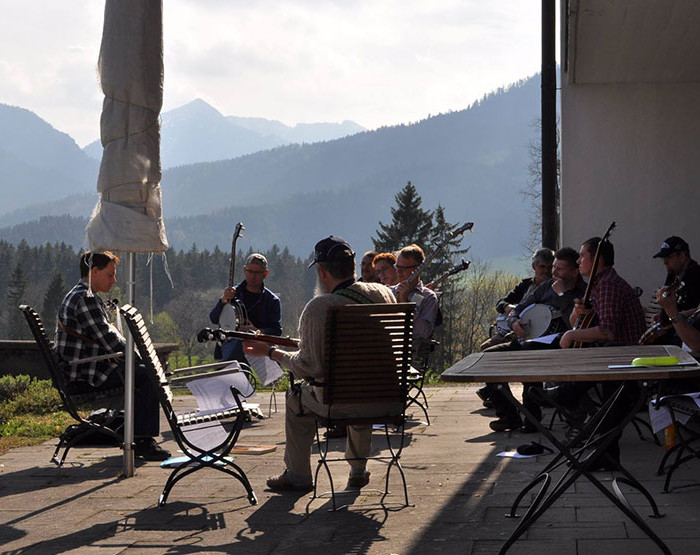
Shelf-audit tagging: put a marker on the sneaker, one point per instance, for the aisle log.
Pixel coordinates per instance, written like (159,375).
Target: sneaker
(335,432)
(286,482)
(148,450)
(358,481)
(505,424)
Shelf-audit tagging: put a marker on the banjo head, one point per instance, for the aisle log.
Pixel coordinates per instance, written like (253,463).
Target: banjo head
(228,319)
(536,319)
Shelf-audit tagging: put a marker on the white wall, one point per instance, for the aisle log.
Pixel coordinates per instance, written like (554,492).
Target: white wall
(631,153)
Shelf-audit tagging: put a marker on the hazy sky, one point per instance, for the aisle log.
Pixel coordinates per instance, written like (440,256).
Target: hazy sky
(376,62)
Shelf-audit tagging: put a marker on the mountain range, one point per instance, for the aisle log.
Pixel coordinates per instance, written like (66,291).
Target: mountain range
(198,132)
(473,162)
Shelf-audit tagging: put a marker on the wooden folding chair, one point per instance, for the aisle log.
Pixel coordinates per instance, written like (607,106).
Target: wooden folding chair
(74,433)
(218,456)
(367,357)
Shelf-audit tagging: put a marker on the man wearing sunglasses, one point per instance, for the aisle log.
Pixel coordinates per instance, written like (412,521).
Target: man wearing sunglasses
(262,307)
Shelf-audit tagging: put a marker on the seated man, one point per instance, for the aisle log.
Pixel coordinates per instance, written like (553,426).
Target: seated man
(559,293)
(367,272)
(262,307)
(426,300)
(619,320)
(335,271)
(83,330)
(542,260)
(680,267)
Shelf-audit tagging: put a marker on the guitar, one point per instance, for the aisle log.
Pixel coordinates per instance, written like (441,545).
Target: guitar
(452,271)
(585,320)
(664,325)
(456,233)
(220,335)
(233,313)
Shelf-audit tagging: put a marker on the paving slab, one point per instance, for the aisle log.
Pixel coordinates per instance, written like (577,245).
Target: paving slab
(460,491)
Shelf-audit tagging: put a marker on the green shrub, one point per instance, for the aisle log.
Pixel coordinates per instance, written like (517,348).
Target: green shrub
(11,386)
(22,395)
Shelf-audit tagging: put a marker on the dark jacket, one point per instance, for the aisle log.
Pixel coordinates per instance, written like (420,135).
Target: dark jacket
(515,296)
(689,296)
(264,312)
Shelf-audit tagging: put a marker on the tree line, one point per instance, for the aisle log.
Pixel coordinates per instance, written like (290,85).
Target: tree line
(176,291)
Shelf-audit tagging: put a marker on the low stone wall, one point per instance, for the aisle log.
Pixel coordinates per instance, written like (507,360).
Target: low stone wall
(23,357)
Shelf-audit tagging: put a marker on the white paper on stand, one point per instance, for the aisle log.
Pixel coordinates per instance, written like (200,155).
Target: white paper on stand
(660,417)
(215,393)
(206,435)
(267,369)
(547,339)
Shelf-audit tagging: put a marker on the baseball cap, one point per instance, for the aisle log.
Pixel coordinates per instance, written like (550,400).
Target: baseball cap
(331,248)
(670,245)
(258,259)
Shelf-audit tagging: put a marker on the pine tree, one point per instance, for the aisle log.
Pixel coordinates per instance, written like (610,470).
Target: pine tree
(54,295)
(15,328)
(445,259)
(409,223)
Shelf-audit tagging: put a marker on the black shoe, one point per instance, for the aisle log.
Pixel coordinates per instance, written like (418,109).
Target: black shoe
(483,394)
(148,450)
(488,404)
(528,428)
(505,424)
(335,432)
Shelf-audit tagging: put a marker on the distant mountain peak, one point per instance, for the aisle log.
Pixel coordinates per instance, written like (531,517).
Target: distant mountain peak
(195,108)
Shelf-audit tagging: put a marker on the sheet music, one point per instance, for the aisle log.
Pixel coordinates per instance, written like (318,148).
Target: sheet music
(265,368)
(660,418)
(206,435)
(214,394)
(547,339)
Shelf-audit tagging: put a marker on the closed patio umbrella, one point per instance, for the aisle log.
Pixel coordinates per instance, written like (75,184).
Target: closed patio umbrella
(128,216)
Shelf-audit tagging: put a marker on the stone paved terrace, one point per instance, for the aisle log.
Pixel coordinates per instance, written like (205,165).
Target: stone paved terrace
(460,489)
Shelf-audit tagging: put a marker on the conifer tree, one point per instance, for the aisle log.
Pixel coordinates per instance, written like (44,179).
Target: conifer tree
(54,295)
(15,328)
(409,223)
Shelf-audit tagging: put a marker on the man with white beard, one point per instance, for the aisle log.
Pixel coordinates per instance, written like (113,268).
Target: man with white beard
(336,285)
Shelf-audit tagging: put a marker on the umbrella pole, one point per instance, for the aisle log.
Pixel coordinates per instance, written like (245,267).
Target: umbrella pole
(129,375)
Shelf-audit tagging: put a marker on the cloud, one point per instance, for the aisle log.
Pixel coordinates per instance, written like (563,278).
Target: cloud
(373,62)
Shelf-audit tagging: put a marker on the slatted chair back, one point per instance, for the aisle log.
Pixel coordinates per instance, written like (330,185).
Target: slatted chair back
(50,357)
(147,352)
(56,367)
(216,457)
(367,353)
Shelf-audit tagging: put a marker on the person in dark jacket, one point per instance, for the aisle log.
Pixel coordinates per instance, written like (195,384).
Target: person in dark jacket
(262,307)
(681,269)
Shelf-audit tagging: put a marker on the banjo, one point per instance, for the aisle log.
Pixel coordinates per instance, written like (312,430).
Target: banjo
(233,312)
(536,319)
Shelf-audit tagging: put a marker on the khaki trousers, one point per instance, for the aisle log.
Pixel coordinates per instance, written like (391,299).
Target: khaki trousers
(300,429)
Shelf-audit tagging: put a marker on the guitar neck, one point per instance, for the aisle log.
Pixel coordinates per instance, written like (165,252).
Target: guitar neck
(271,339)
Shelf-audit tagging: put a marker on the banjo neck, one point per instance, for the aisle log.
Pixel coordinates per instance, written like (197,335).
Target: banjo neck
(232,266)
(456,233)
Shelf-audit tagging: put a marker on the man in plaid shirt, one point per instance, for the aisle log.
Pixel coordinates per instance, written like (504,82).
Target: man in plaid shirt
(83,330)
(619,320)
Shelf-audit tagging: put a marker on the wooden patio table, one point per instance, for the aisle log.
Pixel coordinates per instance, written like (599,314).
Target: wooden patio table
(576,455)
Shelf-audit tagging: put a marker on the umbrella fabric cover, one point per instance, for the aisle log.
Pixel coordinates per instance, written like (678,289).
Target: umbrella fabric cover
(128,216)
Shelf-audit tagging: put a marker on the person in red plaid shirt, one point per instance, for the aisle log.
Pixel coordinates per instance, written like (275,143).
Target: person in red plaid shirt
(619,319)
(619,316)
(83,330)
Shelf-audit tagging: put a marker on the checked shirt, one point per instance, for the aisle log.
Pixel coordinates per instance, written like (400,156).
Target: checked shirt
(617,307)
(87,316)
